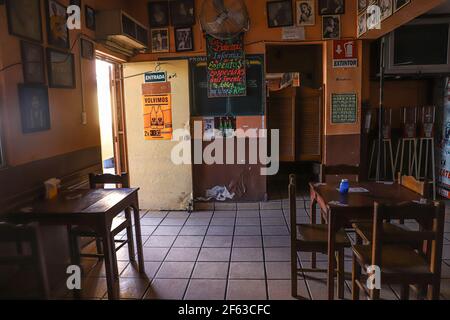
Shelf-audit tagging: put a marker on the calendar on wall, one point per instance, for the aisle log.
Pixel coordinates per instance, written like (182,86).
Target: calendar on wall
(344,108)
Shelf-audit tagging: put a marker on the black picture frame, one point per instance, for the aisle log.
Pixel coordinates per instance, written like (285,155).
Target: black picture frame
(330,7)
(274,8)
(87,49)
(158,14)
(76,3)
(182,13)
(399,4)
(26,24)
(58,63)
(183,45)
(90,22)
(33,62)
(335,32)
(34,108)
(58,20)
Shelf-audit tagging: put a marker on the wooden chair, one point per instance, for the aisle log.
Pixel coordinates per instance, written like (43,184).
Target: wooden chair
(19,235)
(119,224)
(313,238)
(400,263)
(364,229)
(339,170)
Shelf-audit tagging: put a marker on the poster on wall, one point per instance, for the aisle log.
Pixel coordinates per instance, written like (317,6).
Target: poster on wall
(344,108)
(157,117)
(226,67)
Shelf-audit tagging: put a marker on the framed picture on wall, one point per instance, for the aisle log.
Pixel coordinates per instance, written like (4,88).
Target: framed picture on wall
(61,69)
(182,13)
(90,18)
(279,14)
(330,7)
(398,4)
(362,5)
(160,40)
(24,19)
(362,24)
(184,40)
(87,49)
(33,63)
(331,27)
(57,32)
(305,12)
(387,9)
(34,108)
(158,13)
(75,3)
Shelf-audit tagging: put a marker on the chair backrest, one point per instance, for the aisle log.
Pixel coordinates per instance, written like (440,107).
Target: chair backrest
(292,191)
(430,216)
(413,184)
(339,170)
(96,180)
(20,235)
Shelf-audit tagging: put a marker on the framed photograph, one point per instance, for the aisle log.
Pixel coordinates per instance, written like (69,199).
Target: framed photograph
(33,62)
(306,12)
(398,4)
(90,18)
(331,27)
(184,40)
(57,32)
(75,3)
(331,7)
(362,5)
(158,12)
(160,40)
(24,19)
(34,108)
(279,14)
(87,49)
(387,9)
(61,69)
(182,12)
(362,24)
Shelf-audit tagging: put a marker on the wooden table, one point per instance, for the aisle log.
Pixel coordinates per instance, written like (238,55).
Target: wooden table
(339,210)
(95,208)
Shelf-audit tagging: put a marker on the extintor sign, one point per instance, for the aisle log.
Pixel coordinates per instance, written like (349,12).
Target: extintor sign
(345,54)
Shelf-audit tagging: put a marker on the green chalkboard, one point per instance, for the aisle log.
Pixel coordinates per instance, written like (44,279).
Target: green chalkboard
(344,108)
(250,105)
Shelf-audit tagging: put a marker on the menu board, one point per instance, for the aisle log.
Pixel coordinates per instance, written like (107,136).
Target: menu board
(226,67)
(344,108)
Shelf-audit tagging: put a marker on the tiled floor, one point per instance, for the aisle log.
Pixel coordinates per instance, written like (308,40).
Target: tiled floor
(223,254)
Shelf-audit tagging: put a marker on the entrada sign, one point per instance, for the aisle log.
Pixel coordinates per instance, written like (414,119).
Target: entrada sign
(152,77)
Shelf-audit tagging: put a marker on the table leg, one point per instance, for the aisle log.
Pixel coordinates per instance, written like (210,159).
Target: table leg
(108,255)
(313,221)
(137,226)
(331,251)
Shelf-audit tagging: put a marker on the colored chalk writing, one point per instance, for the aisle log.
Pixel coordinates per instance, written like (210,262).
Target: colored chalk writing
(226,67)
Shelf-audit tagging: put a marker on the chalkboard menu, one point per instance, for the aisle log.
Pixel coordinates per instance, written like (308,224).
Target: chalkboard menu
(226,67)
(250,105)
(344,108)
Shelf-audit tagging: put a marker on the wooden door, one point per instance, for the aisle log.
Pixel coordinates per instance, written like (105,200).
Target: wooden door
(309,124)
(282,117)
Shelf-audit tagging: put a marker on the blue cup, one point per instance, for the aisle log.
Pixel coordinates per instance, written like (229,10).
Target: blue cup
(344,187)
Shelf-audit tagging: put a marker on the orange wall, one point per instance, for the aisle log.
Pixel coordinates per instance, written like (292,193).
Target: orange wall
(67,133)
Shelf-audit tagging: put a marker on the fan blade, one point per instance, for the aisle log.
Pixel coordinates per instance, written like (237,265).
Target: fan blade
(219,5)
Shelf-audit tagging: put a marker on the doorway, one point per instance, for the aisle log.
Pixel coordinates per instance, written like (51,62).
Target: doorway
(296,110)
(111,115)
